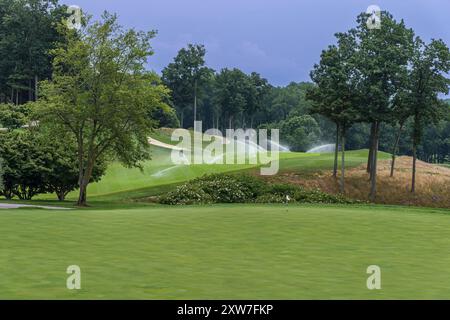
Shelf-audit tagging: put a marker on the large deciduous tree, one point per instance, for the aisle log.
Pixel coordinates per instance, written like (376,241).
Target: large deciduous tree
(335,93)
(427,79)
(231,94)
(101,94)
(382,62)
(185,77)
(258,90)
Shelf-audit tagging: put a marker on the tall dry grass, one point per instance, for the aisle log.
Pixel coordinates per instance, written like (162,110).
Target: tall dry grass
(432,183)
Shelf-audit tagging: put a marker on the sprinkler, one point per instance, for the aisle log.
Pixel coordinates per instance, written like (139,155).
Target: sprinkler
(287,202)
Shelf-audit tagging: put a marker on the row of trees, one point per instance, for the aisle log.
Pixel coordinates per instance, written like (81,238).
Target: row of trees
(231,98)
(227,98)
(434,148)
(378,76)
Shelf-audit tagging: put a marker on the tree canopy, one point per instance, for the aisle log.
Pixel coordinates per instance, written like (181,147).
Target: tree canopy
(28,32)
(102,95)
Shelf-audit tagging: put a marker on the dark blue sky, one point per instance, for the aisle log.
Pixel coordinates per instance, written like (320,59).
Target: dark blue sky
(280,39)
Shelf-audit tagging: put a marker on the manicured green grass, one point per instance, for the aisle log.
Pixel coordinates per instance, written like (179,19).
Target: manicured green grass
(226,252)
(325,161)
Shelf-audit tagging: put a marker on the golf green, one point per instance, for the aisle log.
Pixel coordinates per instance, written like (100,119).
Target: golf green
(226,252)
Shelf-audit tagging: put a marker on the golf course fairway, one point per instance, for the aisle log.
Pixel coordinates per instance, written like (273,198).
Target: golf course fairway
(226,252)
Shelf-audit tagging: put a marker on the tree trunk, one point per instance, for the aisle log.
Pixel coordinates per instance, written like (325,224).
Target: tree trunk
(373,165)
(61,195)
(182,118)
(413,184)
(230,120)
(394,149)
(336,152)
(30,91)
(36,80)
(195,101)
(369,160)
(8,193)
(82,198)
(343,161)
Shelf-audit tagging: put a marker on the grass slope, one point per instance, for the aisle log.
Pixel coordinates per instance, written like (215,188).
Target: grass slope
(120,182)
(226,252)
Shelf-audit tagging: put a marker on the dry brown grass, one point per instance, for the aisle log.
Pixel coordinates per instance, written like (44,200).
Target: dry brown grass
(432,186)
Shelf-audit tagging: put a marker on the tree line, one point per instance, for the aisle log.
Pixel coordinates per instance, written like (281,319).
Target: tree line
(379,87)
(378,76)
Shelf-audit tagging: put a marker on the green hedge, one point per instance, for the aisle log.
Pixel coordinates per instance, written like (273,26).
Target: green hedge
(228,188)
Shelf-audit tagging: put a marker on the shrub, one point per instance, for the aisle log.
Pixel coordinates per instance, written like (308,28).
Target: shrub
(226,188)
(185,195)
(273,198)
(216,188)
(284,190)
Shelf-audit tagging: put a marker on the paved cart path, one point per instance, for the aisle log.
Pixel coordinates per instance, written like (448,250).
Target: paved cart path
(17,206)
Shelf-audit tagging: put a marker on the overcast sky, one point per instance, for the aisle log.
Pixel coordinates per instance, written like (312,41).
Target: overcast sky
(280,39)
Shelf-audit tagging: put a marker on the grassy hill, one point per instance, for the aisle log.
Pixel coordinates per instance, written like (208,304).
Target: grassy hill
(160,171)
(310,170)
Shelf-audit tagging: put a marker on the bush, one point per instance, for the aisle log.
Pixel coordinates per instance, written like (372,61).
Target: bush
(186,195)
(216,188)
(226,188)
(273,198)
(284,190)
(229,188)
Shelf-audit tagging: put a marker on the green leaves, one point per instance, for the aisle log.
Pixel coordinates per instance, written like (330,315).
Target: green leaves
(300,133)
(27,34)
(186,76)
(101,94)
(335,95)
(427,79)
(26,163)
(13,116)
